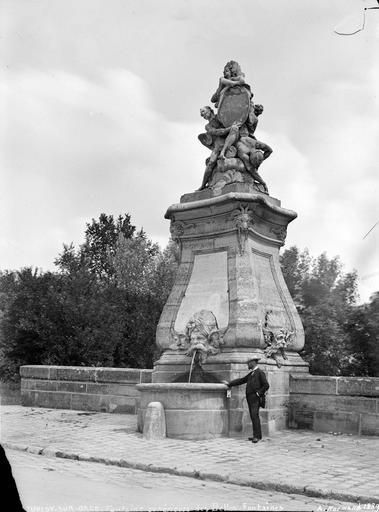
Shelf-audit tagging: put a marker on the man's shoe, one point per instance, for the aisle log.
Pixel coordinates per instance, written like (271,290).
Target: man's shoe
(255,440)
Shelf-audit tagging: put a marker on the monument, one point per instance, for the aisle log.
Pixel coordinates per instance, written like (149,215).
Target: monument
(229,298)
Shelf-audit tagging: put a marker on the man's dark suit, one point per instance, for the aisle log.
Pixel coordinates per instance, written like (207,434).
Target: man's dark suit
(256,386)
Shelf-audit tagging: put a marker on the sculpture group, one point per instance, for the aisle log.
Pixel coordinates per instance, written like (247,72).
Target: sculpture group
(230,133)
(236,155)
(229,302)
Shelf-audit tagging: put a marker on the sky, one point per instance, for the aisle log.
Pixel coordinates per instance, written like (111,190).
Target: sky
(101,99)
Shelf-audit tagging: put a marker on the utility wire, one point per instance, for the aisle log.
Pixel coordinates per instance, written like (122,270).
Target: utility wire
(376,223)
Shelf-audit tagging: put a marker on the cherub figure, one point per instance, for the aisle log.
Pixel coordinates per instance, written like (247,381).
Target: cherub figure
(232,76)
(236,131)
(252,152)
(203,335)
(214,139)
(252,121)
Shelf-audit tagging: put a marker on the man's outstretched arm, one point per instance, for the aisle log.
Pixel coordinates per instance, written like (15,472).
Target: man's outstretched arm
(238,382)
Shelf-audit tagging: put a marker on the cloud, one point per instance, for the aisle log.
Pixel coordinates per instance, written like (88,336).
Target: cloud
(76,147)
(102,115)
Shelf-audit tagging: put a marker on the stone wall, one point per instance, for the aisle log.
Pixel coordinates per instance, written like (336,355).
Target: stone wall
(82,388)
(324,404)
(10,393)
(348,405)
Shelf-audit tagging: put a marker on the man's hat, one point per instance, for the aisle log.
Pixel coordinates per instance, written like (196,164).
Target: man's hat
(255,357)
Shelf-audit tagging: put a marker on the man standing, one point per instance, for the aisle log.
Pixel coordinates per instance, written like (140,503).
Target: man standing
(256,387)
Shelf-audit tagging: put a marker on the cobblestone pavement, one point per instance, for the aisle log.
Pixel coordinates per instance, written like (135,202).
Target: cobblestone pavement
(338,467)
(46,484)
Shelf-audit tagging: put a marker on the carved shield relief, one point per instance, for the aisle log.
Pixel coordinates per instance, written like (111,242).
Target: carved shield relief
(234,106)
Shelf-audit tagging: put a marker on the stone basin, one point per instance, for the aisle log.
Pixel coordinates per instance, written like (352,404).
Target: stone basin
(193,410)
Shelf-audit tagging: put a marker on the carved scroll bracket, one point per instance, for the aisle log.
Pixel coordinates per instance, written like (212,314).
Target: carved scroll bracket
(242,221)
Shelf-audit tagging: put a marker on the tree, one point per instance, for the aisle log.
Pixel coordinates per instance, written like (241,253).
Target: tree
(101,307)
(165,271)
(28,312)
(65,319)
(295,267)
(101,237)
(363,329)
(326,298)
(133,262)
(145,275)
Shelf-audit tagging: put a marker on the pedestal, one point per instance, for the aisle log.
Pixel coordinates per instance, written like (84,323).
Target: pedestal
(229,265)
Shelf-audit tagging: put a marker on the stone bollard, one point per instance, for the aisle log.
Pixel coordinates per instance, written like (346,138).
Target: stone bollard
(155,421)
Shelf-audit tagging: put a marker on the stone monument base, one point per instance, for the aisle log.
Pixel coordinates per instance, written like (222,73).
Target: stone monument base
(230,365)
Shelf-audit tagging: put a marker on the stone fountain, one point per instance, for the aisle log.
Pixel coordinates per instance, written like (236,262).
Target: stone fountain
(229,298)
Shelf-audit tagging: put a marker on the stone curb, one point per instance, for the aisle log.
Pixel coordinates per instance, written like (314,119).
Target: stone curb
(308,490)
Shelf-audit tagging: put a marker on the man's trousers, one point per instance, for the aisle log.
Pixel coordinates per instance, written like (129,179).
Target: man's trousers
(253,403)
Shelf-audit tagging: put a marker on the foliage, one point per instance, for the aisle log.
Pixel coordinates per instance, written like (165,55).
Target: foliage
(100,308)
(341,338)
(101,238)
(133,262)
(102,305)
(363,328)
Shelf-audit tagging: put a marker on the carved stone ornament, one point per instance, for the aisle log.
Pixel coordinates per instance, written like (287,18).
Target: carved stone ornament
(176,230)
(201,335)
(242,221)
(277,340)
(229,133)
(179,340)
(279,231)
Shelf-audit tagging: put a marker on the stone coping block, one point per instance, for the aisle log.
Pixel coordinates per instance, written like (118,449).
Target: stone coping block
(86,373)
(315,385)
(181,386)
(332,403)
(208,193)
(324,385)
(78,401)
(93,388)
(35,371)
(257,197)
(362,386)
(86,388)
(231,359)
